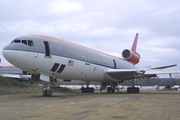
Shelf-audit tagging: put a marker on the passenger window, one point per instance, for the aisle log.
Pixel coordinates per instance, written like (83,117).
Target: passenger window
(30,43)
(24,42)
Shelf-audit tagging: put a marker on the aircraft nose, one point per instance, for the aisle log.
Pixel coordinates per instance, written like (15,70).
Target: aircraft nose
(9,52)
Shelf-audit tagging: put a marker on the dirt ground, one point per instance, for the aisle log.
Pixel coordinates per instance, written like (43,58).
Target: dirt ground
(148,105)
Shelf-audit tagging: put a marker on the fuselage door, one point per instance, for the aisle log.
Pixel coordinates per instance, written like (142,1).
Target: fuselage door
(47,49)
(114,63)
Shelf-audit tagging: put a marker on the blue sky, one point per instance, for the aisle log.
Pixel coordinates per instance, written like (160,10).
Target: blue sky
(105,25)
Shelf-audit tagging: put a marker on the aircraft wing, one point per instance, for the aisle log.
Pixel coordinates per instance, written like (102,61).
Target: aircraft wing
(121,74)
(127,74)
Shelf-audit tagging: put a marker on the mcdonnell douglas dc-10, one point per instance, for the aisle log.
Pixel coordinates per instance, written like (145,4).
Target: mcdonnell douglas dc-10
(48,58)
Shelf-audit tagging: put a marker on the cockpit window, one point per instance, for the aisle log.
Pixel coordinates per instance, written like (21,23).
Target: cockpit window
(16,41)
(24,42)
(30,43)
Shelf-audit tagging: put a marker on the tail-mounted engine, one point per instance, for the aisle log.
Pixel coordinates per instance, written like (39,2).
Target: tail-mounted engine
(131,56)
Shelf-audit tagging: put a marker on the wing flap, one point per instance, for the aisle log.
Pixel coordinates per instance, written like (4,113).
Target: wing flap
(120,70)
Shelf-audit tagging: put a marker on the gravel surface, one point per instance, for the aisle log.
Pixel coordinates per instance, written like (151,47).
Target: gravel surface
(148,105)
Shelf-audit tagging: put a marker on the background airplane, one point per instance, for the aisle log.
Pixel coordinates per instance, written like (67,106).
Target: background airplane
(13,72)
(48,58)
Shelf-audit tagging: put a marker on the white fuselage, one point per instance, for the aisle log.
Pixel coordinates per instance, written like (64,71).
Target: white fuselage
(48,59)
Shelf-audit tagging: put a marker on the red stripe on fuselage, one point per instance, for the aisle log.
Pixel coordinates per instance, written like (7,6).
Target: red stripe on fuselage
(54,38)
(8,67)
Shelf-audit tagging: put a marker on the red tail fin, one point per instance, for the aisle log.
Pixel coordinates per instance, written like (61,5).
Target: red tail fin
(131,55)
(135,43)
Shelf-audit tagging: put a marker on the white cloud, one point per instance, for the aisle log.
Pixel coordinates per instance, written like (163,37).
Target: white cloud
(105,25)
(64,6)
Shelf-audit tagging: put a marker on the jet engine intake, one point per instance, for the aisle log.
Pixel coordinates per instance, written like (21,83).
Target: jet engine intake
(131,56)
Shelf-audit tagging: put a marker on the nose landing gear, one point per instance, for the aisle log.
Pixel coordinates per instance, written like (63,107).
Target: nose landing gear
(47,92)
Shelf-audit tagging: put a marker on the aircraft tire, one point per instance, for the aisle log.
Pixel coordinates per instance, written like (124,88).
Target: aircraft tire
(129,90)
(108,90)
(112,90)
(49,93)
(92,90)
(45,93)
(138,90)
(87,90)
(82,90)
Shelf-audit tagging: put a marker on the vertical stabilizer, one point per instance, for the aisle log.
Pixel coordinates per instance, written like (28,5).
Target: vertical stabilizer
(135,43)
(131,55)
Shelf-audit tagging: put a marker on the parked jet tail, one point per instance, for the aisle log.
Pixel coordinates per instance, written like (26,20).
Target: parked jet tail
(131,55)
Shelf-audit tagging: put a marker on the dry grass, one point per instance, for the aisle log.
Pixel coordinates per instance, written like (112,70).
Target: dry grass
(12,86)
(18,90)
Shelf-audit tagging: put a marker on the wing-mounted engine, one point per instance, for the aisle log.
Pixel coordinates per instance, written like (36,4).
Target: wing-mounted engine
(131,56)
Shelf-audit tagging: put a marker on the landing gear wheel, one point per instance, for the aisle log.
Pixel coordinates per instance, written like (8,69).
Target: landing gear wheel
(45,93)
(87,90)
(133,90)
(137,90)
(110,90)
(91,90)
(82,89)
(49,93)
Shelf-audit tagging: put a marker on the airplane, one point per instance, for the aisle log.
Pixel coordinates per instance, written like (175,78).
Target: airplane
(13,72)
(48,58)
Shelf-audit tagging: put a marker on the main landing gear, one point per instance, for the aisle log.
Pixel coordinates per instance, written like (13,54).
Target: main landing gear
(112,87)
(110,90)
(133,89)
(87,89)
